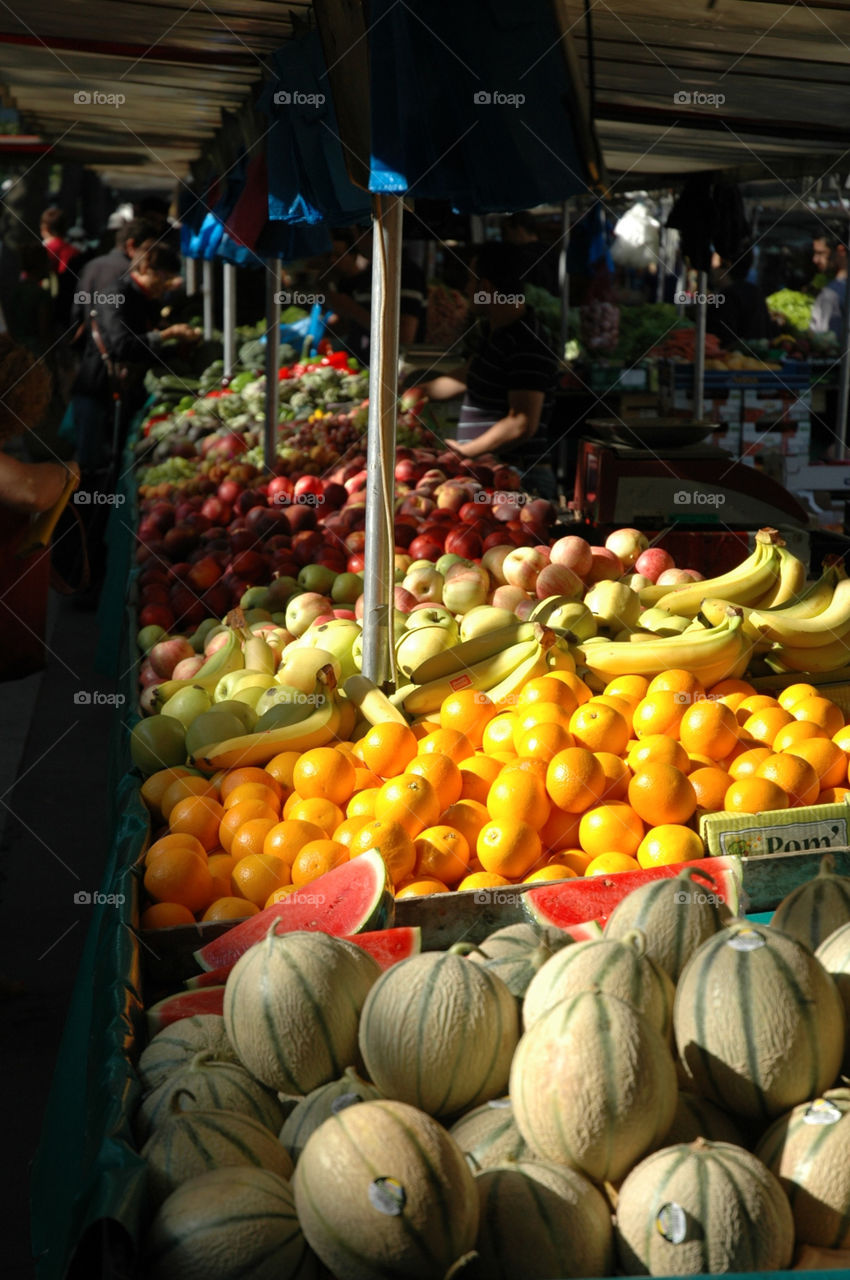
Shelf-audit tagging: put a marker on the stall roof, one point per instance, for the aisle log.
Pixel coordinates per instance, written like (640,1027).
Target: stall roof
(759,88)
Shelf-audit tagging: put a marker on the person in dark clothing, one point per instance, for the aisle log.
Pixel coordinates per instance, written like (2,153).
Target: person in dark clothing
(829,255)
(538,262)
(30,306)
(352,299)
(508,386)
(742,316)
(101,272)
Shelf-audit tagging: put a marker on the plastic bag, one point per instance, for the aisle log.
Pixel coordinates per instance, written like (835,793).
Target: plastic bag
(636,238)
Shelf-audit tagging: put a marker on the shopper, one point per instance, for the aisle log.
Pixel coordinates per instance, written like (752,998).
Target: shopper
(53,232)
(351,300)
(538,261)
(131,238)
(829,255)
(742,315)
(508,385)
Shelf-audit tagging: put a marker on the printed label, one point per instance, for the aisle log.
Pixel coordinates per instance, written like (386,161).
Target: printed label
(499,1102)
(463,681)
(671,1222)
(792,837)
(747,940)
(387,1196)
(822,1111)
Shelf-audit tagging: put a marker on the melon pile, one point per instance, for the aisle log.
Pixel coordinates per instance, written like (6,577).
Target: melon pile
(662,1097)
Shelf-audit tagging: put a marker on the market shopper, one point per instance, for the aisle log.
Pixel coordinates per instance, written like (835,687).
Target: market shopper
(741,315)
(131,238)
(351,300)
(508,385)
(539,262)
(829,255)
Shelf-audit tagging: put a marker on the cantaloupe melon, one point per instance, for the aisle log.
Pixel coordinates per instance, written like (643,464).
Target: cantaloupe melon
(809,1151)
(190,1143)
(677,915)
(834,955)
(488,1135)
(207,1084)
(175,1046)
(292,1007)
(815,909)
(381,1190)
(619,966)
(704,1207)
(758,1021)
(516,953)
(325,1101)
(593,1085)
(439,1032)
(541,1222)
(696,1117)
(226,1224)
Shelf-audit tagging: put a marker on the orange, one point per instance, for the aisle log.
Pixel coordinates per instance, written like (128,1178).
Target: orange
(542,689)
(197,816)
(576,859)
(560,830)
(798,731)
(250,838)
(731,688)
(179,840)
(755,702)
(659,712)
(257,875)
(575,779)
(611,863)
(754,795)
(572,681)
(617,775)
(281,767)
(251,791)
(528,765)
(553,871)
(467,817)
(662,793)
(468,711)
(610,827)
(498,734)
(154,787)
(229,908)
(731,700)
(483,880)
(794,693)
(508,847)
(543,741)
(393,843)
(765,723)
(539,713)
(364,778)
(181,789)
(520,795)
(826,758)
(505,757)
(632,688)
(316,859)
(710,785)
(410,800)
(165,915)
(709,728)
(362,803)
(324,774)
(842,738)
(181,876)
(833,795)
(240,814)
(669,843)
(677,680)
(221,866)
(623,705)
(658,748)
(477,775)
(287,838)
(442,853)
(324,813)
(235,777)
(599,728)
(448,742)
(819,711)
(745,765)
(423,726)
(280,895)
(388,748)
(443,774)
(421,888)
(797,778)
(347,830)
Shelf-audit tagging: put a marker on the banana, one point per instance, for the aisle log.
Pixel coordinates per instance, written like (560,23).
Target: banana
(461,657)
(831,657)
(815,597)
(662,623)
(301,666)
(791,580)
(709,653)
(317,730)
(226,659)
(803,633)
(536,664)
(229,685)
(747,584)
(483,676)
(372,703)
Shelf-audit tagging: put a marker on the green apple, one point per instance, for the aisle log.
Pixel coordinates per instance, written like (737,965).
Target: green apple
(415,647)
(434,616)
(211,727)
(446,561)
(255,598)
(239,708)
(336,637)
(187,704)
(318,578)
(149,636)
(257,615)
(346,587)
(280,591)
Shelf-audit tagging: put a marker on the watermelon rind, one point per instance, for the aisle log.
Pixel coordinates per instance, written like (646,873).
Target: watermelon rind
(354,898)
(185,1004)
(386,946)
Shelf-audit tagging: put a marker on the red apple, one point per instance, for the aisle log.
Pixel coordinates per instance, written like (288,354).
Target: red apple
(574,552)
(251,565)
(558,580)
(464,542)
(521,567)
(653,562)
(425,548)
(627,544)
(279,491)
(677,577)
(507,597)
(403,599)
(605,567)
(204,573)
(356,562)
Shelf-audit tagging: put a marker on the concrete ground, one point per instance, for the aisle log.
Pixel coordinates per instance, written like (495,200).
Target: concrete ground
(53,844)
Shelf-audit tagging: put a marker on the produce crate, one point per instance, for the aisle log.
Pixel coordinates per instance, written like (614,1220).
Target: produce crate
(777,831)
(615,377)
(794,374)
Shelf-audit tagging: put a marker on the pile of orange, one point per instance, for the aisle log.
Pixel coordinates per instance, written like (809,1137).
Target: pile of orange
(560,783)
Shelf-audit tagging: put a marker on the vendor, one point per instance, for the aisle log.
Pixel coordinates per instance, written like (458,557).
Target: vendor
(508,385)
(829,255)
(742,315)
(351,300)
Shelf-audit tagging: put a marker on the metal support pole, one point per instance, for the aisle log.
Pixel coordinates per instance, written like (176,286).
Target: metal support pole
(564,279)
(699,353)
(379,577)
(207,291)
(190,275)
(844,383)
(228,273)
(272,362)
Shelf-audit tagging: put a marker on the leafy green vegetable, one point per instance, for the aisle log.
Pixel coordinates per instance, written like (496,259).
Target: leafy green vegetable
(643,327)
(796,308)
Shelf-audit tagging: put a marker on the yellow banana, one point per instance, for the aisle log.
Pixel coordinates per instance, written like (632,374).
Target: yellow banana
(258,655)
(802,633)
(484,675)
(317,730)
(811,601)
(710,653)
(372,703)
(507,690)
(747,584)
(300,667)
(789,584)
(469,653)
(834,656)
(226,659)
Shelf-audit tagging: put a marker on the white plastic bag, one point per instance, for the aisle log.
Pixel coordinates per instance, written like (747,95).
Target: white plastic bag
(636,238)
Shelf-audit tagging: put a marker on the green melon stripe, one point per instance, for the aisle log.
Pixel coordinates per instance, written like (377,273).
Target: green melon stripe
(253,1265)
(340,1243)
(699,1012)
(486,1079)
(702,1169)
(226,1104)
(191,1136)
(683,1154)
(494,1223)
(556,1239)
(235,1219)
(317,1013)
(439,1197)
(610,1096)
(773,1141)
(743,996)
(682,919)
(557,1112)
(746,1257)
(808,1012)
(232,1139)
(424,1001)
(265,994)
(735,1160)
(818,1137)
(232,1003)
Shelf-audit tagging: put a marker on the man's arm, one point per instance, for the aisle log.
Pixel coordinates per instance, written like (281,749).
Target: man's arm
(444,386)
(826,307)
(32,486)
(520,423)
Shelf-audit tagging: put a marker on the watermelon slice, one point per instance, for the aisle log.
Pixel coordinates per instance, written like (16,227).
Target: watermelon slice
(572,902)
(353,898)
(185,1004)
(387,946)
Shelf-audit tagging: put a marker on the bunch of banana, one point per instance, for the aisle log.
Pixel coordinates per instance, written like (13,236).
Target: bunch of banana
(710,653)
(752,583)
(500,673)
(804,641)
(225,660)
(371,702)
(810,604)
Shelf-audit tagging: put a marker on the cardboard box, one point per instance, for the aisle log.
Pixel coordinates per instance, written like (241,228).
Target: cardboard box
(822,826)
